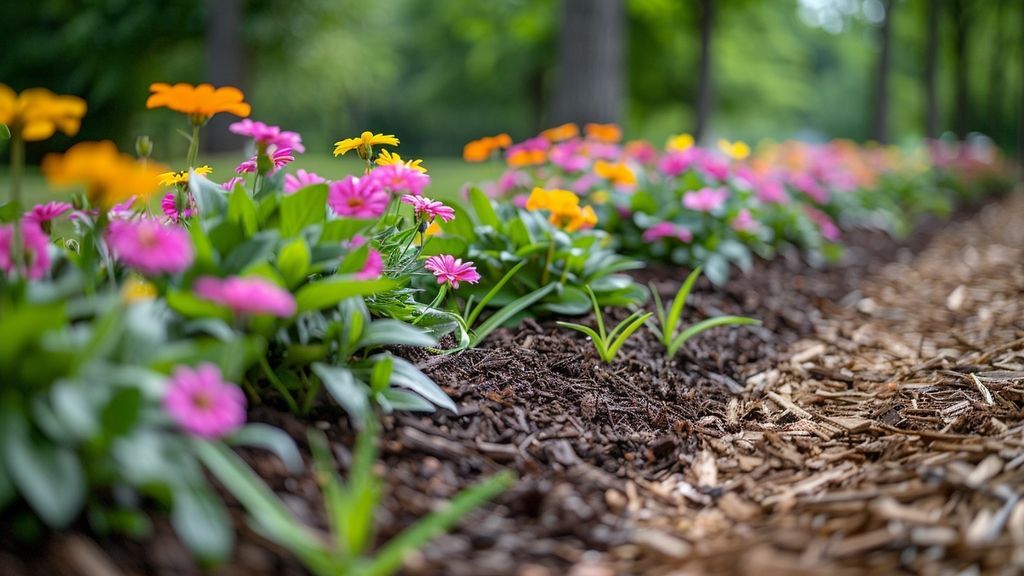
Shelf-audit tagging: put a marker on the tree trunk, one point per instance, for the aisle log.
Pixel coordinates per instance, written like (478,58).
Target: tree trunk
(224,62)
(960,78)
(705,91)
(590,86)
(1020,103)
(931,70)
(880,119)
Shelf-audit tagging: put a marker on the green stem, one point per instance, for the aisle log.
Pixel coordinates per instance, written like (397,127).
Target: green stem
(276,382)
(17,166)
(193,147)
(546,274)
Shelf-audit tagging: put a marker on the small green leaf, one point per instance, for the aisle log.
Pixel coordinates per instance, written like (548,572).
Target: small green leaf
(121,414)
(348,392)
(703,325)
(211,200)
(270,438)
(484,209)
(5,132)
(242,209)
(49,477)
(191,306)
(202,522)
(303,208)
(674,315)
(327,293)
(509,310)
(293,262)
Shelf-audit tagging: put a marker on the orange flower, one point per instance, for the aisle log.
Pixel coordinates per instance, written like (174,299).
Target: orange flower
(480,150)
(617,173)
(564,207)
(109,176)
(559,133)
(610,133)
(37,113)
(199,103)
(521,158)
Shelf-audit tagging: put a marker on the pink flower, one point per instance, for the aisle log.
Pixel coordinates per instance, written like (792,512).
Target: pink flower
(235,181)
(584,184)
(603,151)
(399,178)
(714,166)
(246,295)
(770,190)
(279,158)
(300,179)
(42,213)
(268,135)
(169,205)
(806,183)
(668,230)
(641,151)
(125,209)
(357,197)
(828,228)
(675,163)
(512,179)
(424,208)
(744,222)
(149,246)
(35,244)
(202,403)
(706,199)
(374,265)
(246,167)
(452,270)
(566,157)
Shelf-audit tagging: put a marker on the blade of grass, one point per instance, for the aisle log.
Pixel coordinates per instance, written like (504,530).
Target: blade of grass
(613,349)
(678,302)
(706,325)
(509,310)
(492,292)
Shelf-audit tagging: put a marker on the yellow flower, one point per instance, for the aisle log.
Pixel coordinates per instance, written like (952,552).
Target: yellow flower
(199,103)
(680,142)
(37,113)
(610,133)
(617,173)
(600,197)
(386,158)
(564,207)
(559,133)
(109,176)
(137,290)
(736,150)
(181,176)
(364,144)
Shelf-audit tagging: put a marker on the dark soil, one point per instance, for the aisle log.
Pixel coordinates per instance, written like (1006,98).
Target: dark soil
(590,442)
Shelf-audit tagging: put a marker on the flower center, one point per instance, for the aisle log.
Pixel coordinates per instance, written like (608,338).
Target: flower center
(354,202)
(202,401)
(147,237)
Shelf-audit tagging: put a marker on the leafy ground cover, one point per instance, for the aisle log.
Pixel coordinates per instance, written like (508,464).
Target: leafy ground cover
(153,337)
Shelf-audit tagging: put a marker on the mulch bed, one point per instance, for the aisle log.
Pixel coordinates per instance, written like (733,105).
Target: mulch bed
(873,422)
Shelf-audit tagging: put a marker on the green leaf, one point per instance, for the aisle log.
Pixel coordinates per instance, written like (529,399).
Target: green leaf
(598,341)
(380,376)
(342,229)
(509,310)
(398,399)
(293,262)
(211,200)
(676,312)
(270,438)
(327,293)
(484,209)
(389,558)
(24,325)
(348,392)
(628,331)
(242,209)
(571,302)
(202,522)
(121,414)
(717,269)
(393,333)
(5,132)
(49,477)
(703,325)
(255,249)
(191,306)
(446,244)
(406,375)
(303,208)
(474,313)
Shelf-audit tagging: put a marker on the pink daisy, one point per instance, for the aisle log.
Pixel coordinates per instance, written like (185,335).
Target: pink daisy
(675,163)
(706,199)
(149,246)
(202,403)
(268,135)
(235,181)
(246,295)
(301,179)
(452,270)
(35,244)
(374,265)
(426,209)
(668,230)
(399,178)
(169,205)
(828,228)
(357,197)
(744,222)
(806,183)
(43,213)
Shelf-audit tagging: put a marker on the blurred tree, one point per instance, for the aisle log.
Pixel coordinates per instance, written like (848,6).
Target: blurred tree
(933,10)
(705,89)
(225,52)
(880,118)
(962,15)
(591,84)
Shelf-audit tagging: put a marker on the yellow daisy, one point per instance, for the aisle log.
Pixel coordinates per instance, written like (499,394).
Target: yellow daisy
(386,158)
(181,176)
(364,144)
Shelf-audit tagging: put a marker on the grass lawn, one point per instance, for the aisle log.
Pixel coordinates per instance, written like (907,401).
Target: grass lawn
(448,174)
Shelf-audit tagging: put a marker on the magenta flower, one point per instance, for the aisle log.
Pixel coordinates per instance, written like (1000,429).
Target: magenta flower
(235,181)
(452,270)
(123,210)
(566,156)
(43,213)
(706,199)
(714,166)
(280,158)
(169,205)
(246,295)
(357,197)
(675,163)
(267,136)
(374,265)
(426,209)
(806,183)
(398,178)
(668,230)
(770,190)
(603,151)
(246,167)
(149,246)
(744,222)
(35,244)
(202,403)
(301,179)
(828,228)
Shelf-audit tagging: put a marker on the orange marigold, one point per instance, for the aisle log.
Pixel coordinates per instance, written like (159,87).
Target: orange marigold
(521,158)
(618,173)
(109,176)
(558,133)
(482,149)
(37,113)
(200,102)
(610,133)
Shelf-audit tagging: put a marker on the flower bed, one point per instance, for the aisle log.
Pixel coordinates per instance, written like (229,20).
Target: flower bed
(136,340)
